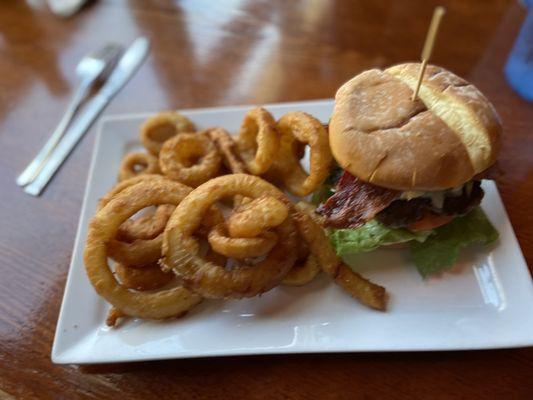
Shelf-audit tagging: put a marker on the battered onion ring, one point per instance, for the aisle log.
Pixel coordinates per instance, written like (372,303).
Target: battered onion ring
(302,127)
(159,128)
(103,228)
(180,248)
(303,272)
(258,141)
(119,187)
(147,226)
(190,158)
(134,164)
(226,146)
(252,218)
(358,287)
(240,248)
(149,277)
(113,315)
(137,252)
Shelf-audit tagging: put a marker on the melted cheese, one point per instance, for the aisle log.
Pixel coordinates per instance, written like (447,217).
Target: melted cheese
(437,197)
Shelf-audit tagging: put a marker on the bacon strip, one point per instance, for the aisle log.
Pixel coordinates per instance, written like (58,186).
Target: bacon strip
(355,202)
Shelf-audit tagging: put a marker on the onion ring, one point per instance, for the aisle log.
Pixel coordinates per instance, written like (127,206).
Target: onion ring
(149,277)
(180,248)
(113,315)
(103,228)
(302,272)
(147,226)
(134,164)
(301,127)
(161,127)
(252,218)
(358,287)
(258,141)
(119,187)
(240,248)
(139,251)
(142,252)
(190,158)
(226,146)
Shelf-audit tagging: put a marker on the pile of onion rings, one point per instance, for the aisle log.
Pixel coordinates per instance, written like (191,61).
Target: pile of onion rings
(201,215)
(274,149)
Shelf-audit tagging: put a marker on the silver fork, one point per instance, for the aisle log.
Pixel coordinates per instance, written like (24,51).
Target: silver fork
(92,68)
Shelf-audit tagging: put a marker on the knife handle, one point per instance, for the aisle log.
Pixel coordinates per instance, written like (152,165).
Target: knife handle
(33,169)
(65,146)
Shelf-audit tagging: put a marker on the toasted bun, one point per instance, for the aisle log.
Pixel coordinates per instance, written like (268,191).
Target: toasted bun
(441,140)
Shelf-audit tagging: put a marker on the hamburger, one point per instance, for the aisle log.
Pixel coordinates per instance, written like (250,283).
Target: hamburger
(409,171)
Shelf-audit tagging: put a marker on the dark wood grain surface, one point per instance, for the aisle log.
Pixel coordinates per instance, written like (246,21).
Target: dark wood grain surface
(211,53)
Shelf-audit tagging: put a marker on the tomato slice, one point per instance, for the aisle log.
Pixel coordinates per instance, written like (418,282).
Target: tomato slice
(430,221)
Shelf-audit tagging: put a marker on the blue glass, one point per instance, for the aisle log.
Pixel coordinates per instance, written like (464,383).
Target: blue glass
(519,67)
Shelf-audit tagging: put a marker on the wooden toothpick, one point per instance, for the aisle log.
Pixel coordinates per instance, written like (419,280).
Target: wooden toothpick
(428,45)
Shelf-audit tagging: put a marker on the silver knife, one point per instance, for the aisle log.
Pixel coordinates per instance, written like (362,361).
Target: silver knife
(126,67)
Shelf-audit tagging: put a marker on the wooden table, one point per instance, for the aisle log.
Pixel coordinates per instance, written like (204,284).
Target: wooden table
(223,53)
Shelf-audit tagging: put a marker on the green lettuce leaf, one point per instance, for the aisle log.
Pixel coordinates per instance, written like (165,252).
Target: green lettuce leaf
(440,251)
(370,236)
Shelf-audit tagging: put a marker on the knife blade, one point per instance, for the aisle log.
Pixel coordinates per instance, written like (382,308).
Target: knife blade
(124,70)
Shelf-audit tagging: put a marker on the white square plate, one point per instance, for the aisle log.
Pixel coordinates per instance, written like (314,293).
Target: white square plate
(484,302)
